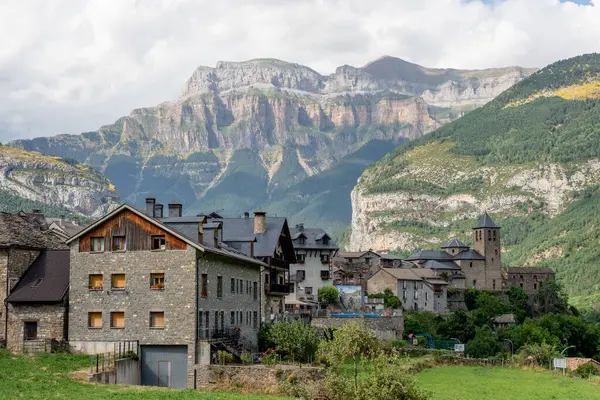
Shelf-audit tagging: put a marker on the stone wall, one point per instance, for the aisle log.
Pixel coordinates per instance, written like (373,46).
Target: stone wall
(13,264)
(177,300)
(253,378)
(381,281)
(51,324)
(241,301)
(384,327)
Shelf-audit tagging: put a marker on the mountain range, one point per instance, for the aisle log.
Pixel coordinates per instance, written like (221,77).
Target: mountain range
(530,157)
(275,135)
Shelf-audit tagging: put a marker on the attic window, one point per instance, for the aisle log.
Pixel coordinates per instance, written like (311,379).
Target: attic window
(325,240)
(301,240)
(37,282)
(158,242)
(98,243)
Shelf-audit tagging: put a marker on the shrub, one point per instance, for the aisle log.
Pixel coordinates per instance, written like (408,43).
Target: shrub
(224,357)
(543,353)
(295,340)
(246,357)
(269,357)
(398,344)
(587,370)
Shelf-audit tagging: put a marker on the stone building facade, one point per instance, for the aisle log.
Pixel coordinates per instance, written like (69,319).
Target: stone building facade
(530,279)
(135,279)
(51,325)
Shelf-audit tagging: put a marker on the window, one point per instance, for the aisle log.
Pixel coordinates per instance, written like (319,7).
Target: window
(416,295)
(118,282)
(496,251)
(158,242)
(204,285)
(415,285)
(216,320)
(302,239)
(95,320)
(232,285)
(157,319)
(471,264)
(255,320)
(267,279)
(535,278)
(521,285)
(118,243)
(535,286)
(324,258)
(474,282)
(232,321)
(219,287)
(325,240)
(492,259)
(292,286)
(403,284)
(300,258)
(494,284)
(206,322)
(117,319)
(30,329)
(325,274)
(95,282)
(255,290)
(98,243)
(157,281)
(222,319)
(247,287)
(37,282)
(308,290)
(426,296)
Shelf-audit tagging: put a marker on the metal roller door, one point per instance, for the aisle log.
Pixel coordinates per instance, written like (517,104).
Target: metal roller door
(165,366)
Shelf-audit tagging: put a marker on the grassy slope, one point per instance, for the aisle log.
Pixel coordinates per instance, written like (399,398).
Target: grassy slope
(476,383)
(47,377)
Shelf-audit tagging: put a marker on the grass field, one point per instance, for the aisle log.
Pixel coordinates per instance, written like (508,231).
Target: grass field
(479,383)
(47,376)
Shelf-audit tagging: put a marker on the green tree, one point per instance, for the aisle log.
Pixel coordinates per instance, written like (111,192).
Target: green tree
(551,298)
(393,302)
(483,345)
(488,306)
(458,325)
(294,340)
(329,295)
(421,322)
(350,341)
(542,353)
(518,300)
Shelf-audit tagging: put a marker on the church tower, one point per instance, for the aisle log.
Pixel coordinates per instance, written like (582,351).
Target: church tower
(486,240)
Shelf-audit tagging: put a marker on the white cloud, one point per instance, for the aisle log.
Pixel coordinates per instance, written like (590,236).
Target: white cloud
(73,65)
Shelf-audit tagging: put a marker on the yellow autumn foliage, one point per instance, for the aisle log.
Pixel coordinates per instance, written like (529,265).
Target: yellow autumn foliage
(583,91)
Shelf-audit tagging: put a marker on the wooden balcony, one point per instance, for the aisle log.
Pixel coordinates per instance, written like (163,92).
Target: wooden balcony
(274,289)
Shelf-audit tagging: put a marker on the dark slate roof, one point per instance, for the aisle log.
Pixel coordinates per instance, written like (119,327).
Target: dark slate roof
(430,255)
(436,265)
(312,235)
(469,255)
(71,228)
(233,230)
(529,270)
(356,254)
(486,222)
(16,231)
(45,281)
(454,243)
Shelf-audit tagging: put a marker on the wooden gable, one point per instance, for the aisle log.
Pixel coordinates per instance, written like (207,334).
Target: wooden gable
(137,231)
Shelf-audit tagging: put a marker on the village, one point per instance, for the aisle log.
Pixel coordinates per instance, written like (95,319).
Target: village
(183,294)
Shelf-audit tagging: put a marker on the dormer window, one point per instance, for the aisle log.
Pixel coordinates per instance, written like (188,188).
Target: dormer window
(301,240)
(325,241)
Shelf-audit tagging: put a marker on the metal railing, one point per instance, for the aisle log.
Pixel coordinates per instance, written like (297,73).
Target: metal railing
(102,362)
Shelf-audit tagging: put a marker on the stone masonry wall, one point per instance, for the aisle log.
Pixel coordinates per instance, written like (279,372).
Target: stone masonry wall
(177,300)
(381,281)
(384,327)
(242,300)
(13,264)
(50,319)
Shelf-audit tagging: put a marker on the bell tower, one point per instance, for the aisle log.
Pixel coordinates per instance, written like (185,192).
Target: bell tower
(486,241)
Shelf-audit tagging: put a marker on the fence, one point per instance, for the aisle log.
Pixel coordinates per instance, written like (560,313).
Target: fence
(102,362)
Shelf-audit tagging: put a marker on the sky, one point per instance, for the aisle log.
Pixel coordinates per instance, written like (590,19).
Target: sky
(70,66)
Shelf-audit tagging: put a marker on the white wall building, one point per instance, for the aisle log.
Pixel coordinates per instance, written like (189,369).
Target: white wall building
(314,251)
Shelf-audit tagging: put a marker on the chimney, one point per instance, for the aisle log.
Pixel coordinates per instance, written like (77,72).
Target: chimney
(300,227)
(158,210)
(260,222)
(150,206)
(246,215)
(252,248)
(175,209)
(201,231)
(216,236)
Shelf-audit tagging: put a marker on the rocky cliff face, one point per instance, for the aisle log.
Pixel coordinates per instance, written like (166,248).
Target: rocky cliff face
(50,180)
(273,123)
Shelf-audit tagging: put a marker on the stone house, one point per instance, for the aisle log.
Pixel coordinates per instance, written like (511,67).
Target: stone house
(134,278)
(478,267)
(530,279)
(314,251)
(22,242)
(417,288)
(37,305)
(263,237)
(355,267)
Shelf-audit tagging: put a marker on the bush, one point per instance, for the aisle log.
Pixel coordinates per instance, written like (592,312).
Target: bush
(587,370)
(270,358)
(246,357)
(484,345)
(398,344)
(543,354)
(295,340)
(224,357)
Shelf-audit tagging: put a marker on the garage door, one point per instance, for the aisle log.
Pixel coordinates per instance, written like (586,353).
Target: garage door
(164,366)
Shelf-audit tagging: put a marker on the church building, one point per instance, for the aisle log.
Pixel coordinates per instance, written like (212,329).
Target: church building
(478,267)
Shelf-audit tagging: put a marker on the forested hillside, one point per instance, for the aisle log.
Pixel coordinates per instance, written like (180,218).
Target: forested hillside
(531,157)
